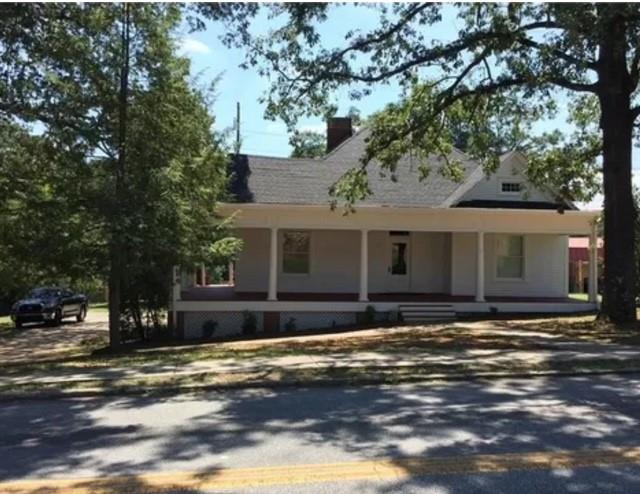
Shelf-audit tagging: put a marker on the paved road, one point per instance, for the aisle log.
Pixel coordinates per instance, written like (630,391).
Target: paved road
(147,436)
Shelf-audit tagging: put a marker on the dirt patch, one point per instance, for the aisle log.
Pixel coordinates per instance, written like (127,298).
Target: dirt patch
(39,342)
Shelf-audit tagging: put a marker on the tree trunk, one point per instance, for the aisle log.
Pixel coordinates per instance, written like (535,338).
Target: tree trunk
(619,209)
(116,251)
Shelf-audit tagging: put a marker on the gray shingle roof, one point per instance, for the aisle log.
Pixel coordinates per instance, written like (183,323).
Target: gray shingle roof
(267,180)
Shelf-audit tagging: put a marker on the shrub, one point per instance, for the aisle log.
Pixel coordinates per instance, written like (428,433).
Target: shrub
(208,328)
(368,316)
(249,322)
(290,325)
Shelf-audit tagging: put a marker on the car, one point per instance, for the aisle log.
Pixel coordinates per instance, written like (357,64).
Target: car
(49,305)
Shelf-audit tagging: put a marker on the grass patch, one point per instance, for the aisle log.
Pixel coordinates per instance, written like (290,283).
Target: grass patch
(534,334)
(325,375)
(99,307)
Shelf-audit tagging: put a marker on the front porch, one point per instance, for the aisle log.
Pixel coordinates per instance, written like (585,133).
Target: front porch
(303,276)
(222,293)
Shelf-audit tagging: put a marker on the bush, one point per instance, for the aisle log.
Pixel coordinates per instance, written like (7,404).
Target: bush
(369,316)
(249,323)
(290,325)
(208,328)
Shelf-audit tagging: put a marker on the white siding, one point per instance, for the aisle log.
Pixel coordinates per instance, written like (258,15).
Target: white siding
(511,169)
(252,267)
(335,263)
(545,267)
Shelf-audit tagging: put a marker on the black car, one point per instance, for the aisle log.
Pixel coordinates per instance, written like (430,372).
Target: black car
(50,305)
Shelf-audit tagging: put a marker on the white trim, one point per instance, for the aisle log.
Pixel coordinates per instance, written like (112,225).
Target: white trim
(307,306)
(363,295)
(281,270)
(505,180)
(480,267)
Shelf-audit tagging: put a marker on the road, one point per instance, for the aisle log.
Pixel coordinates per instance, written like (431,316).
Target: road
(335,439)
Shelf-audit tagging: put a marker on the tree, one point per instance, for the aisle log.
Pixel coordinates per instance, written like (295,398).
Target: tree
(112,98)
(509,59)
(308,144)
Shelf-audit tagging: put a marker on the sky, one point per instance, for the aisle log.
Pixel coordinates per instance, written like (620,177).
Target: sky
(211,59)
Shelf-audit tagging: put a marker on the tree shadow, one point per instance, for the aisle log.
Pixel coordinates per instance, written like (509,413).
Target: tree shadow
(247,428)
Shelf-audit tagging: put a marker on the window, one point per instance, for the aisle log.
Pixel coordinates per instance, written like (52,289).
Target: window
(510,187)
(399,258)
(510,257)
(295,252)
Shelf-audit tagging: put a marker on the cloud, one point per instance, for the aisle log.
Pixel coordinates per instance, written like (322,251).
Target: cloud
(192,46)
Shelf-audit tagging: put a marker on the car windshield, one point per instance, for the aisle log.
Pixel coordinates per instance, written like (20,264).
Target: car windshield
(44,293)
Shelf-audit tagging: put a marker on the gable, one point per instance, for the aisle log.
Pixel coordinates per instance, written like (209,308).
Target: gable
(507,187)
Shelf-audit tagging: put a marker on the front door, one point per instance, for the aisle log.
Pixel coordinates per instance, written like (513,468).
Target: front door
(398,271)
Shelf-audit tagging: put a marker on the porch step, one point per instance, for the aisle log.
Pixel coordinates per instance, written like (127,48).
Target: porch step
(427,312)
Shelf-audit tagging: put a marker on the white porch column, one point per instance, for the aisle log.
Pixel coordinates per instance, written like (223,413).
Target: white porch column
(364,266)
(593,265)
(273,265)
(480,267)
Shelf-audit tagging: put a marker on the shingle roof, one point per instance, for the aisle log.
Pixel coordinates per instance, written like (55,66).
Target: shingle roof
(267,180)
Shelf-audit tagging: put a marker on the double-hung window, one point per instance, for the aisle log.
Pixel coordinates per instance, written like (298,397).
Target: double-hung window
(296,252)
(510,257)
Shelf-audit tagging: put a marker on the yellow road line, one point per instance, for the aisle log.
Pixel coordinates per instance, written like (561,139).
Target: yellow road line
(383,469)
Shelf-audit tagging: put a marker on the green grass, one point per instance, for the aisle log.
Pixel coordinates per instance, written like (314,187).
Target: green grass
(99,307)
(5,323)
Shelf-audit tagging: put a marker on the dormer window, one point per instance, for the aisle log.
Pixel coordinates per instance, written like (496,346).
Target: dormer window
(510,187)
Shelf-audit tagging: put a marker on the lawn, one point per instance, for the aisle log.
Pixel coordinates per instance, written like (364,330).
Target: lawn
(464,336)
(417,344)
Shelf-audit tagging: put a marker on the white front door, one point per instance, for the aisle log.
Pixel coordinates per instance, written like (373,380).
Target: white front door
(399,268)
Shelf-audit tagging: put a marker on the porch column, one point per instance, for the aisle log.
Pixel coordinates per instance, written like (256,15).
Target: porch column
(203,275)
(593,265)
(364,266)
(273,265)
(480,267)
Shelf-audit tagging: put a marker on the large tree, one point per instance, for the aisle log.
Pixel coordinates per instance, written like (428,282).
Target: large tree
(106,89)
(514,60)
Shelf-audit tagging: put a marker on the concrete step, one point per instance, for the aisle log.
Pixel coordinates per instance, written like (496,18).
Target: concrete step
(427,311)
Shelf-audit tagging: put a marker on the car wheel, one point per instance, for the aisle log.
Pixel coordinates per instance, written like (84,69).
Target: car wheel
(18,323)
(57,320)
(82,314)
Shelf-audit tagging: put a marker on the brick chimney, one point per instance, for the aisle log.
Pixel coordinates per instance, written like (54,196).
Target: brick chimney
(339,129)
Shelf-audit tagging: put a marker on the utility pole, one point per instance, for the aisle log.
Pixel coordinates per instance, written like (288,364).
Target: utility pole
(237,127)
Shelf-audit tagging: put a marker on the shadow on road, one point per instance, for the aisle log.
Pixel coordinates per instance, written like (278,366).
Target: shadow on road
(203,433)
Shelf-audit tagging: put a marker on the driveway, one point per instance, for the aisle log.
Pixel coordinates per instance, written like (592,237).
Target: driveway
(39,342)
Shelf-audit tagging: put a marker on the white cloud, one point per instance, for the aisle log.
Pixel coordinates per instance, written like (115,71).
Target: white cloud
(191,46)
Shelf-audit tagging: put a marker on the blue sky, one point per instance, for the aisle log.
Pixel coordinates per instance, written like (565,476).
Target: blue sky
(211,59)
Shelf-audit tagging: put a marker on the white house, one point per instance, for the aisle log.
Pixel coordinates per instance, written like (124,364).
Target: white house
(413,250)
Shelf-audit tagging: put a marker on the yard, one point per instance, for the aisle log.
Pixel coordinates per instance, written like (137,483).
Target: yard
(384,354)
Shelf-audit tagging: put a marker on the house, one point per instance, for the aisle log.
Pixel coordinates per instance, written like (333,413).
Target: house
(413,250)
(579,256)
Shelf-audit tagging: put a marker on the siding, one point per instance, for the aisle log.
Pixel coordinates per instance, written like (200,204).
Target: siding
(335,262)
(488,188)
(545,267)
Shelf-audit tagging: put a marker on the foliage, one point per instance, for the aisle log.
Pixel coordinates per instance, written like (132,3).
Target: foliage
(290,325)
(208,328)
(308,144)
(249,323)
(85,199)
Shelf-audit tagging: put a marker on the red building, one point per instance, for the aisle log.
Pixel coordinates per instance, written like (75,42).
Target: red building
(579,263)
